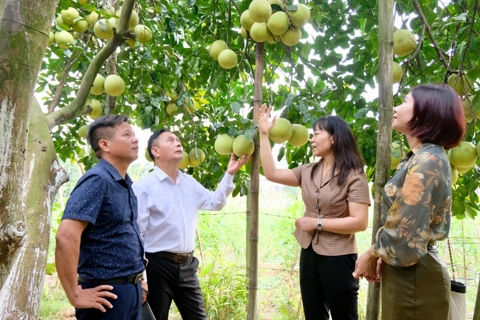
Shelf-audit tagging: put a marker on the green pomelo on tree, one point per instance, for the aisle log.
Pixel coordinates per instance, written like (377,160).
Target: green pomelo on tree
(259,32)
(62,38)
(404,42)
(463,156)
(227,59)
(246,21)
(171,108)
(185,161)
(397,72)
(196,157)
(281,131)
(299,136)
(92,18)
(96,108)
(291,37)
(224,144)
(114,85)
(278,23)
(98,85)
(299,17)
(454,174)
(260,10)
(69,15)
(103,29)
(80,26)
(143,33)
(216,48)
(459,83)
(83,131)
(397,154)
(242,146)
(244,33)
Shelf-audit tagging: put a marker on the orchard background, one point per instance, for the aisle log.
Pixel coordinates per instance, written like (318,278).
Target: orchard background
(344,51)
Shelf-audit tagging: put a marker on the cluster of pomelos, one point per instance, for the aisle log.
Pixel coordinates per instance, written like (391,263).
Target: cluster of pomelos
(265,21)
(71,23)
(281,132)
(404,43)
(272,21)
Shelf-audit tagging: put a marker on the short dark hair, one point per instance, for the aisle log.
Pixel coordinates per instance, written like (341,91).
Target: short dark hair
(101,128)
(345,148)
(435,108)
(152,138)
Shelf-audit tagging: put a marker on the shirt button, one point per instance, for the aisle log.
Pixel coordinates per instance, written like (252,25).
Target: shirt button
(317,191)
(315,206)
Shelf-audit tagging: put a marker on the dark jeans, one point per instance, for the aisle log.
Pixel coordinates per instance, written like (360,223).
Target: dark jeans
(327,285)
(127,306)
(169,281)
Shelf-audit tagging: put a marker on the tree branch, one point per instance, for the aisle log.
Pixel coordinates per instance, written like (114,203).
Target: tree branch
(439,51)
(76,107)
(58,90)
(470,33)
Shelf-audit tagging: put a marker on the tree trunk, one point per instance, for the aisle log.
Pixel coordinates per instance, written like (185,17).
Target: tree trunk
(254,191)
(385,93)
(24,30)
(21,293)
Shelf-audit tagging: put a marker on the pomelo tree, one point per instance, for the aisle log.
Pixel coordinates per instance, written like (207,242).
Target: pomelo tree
(165,60)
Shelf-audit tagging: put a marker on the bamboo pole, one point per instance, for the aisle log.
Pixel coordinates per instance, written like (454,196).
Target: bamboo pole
(254,191)
(384,138)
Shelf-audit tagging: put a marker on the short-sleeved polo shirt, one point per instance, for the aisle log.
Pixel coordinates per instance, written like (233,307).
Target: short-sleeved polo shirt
(110,245)
(324,199)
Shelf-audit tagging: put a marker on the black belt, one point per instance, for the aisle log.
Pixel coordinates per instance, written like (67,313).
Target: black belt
(134,278)
(174,257)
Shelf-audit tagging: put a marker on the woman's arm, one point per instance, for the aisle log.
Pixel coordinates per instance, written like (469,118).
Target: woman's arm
(282,176)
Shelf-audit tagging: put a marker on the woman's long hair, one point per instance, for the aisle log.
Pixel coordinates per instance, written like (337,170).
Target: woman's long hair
(345,150)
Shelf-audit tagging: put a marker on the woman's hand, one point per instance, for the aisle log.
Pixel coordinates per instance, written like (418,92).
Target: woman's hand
(264,124)
(306,224)
(368,266)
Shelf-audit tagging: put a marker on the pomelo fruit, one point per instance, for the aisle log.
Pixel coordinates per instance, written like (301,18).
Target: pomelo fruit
(224,144)
(404,42)
(299,136)
(242,146)
(281,131)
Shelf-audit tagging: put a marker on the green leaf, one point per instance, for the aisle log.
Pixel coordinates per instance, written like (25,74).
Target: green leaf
(236,107)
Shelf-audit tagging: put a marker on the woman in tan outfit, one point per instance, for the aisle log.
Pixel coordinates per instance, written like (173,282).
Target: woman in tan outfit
(336,197)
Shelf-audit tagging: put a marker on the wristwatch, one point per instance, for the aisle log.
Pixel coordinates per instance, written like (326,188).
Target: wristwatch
(319,224)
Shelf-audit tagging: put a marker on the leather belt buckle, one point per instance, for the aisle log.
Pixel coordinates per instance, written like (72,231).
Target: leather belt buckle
(138,277)
(178,258)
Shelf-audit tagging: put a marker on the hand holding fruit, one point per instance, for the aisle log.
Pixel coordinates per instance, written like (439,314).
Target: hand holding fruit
(264,125)
(235,165)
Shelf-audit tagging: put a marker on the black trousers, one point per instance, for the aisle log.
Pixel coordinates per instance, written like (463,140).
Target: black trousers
(169,281)
(327,285)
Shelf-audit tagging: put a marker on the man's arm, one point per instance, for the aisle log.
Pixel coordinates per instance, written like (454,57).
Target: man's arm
(67,253)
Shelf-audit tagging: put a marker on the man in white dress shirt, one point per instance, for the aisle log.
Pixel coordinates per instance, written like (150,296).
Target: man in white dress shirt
(168,204)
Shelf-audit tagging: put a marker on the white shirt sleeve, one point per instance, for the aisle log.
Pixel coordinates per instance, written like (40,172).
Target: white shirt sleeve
(143,213)
(215,200)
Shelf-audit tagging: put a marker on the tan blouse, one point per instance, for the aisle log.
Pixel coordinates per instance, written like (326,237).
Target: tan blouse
(324,199)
